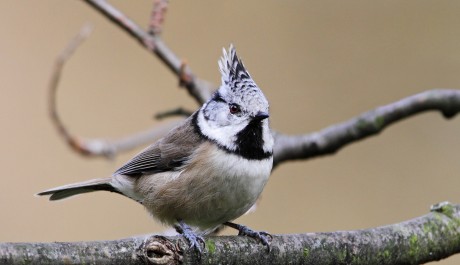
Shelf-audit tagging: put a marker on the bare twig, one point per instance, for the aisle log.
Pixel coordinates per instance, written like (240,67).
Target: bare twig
(184,78)
(110,148)
(199,90)
(157,17)
(324,142)
(333,138)
(428,238)
(94,147)
(174,112)
(73,141)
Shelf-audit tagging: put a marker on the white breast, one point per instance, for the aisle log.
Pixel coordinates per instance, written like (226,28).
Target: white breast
(248,177)
(215,186)
(236,184)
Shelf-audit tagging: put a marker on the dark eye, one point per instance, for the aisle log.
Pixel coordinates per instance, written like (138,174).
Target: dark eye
(234,108)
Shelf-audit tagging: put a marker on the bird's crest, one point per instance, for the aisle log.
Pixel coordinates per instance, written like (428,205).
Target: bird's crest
(234,74)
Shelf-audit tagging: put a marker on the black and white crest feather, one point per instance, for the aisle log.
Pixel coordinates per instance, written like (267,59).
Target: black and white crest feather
(234,74)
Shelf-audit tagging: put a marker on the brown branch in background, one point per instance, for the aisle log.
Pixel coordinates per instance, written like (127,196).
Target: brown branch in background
(333,138)
(424,239)
(326,141)
(184,78)
(94,147)
(157,17)
(139,139)
(174,112)
(199,90)
(73,141)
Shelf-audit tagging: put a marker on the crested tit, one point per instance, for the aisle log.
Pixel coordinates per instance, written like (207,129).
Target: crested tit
(207,171)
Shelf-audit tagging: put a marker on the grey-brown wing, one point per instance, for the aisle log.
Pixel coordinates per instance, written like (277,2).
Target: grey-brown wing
(166,154)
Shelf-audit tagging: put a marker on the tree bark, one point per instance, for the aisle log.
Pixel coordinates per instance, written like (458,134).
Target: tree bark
(427,238)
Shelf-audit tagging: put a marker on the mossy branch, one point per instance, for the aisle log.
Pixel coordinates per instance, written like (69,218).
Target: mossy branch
(427,238)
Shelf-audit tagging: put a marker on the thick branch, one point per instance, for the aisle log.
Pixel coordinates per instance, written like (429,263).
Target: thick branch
(333,138)
(428,238)
(200,90)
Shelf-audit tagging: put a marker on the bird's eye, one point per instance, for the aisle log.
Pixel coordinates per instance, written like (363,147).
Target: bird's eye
(234,108)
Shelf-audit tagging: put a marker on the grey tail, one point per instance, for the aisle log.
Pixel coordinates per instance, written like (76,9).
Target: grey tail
(79,188)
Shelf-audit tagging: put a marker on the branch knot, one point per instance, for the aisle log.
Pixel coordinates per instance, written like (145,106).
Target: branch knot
(160,250)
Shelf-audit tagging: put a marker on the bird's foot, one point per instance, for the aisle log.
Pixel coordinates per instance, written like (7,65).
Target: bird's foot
(262,236)
(193,239)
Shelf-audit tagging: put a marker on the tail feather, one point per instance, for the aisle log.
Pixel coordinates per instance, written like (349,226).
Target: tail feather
(79,188)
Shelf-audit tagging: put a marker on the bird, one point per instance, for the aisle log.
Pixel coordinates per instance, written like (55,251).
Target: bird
(208,170)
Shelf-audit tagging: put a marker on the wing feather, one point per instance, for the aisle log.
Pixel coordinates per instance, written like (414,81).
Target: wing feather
(168,153)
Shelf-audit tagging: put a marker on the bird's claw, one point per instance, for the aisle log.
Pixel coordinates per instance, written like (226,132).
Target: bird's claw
(262,236)
(195,241)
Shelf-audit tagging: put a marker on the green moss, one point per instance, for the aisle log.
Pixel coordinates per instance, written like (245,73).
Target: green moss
(342,256)
(429,228)
(414,247)
(211,246)
(370,125)
(447,209)
(379,122)
(438,217)
(384,256)
(306,252)
(362,124)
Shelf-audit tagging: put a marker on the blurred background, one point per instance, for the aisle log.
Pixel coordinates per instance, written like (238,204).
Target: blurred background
(318,62)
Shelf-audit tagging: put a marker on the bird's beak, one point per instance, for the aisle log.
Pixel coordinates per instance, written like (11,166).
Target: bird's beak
(261,115)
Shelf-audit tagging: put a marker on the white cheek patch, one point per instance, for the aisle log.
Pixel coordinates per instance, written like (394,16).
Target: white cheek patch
(224,135)
(221,116)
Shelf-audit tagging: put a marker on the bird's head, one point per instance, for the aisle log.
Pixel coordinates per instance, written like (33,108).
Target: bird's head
(236,116)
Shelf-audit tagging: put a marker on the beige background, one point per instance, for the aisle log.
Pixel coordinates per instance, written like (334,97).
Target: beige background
(319,62)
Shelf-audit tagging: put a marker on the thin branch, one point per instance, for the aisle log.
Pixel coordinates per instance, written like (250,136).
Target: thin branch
(428,238)
(324,142)
(94,147)
(157,17)
(198,89)
(110,148)
(333,138)
(174,112)
(73,141)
